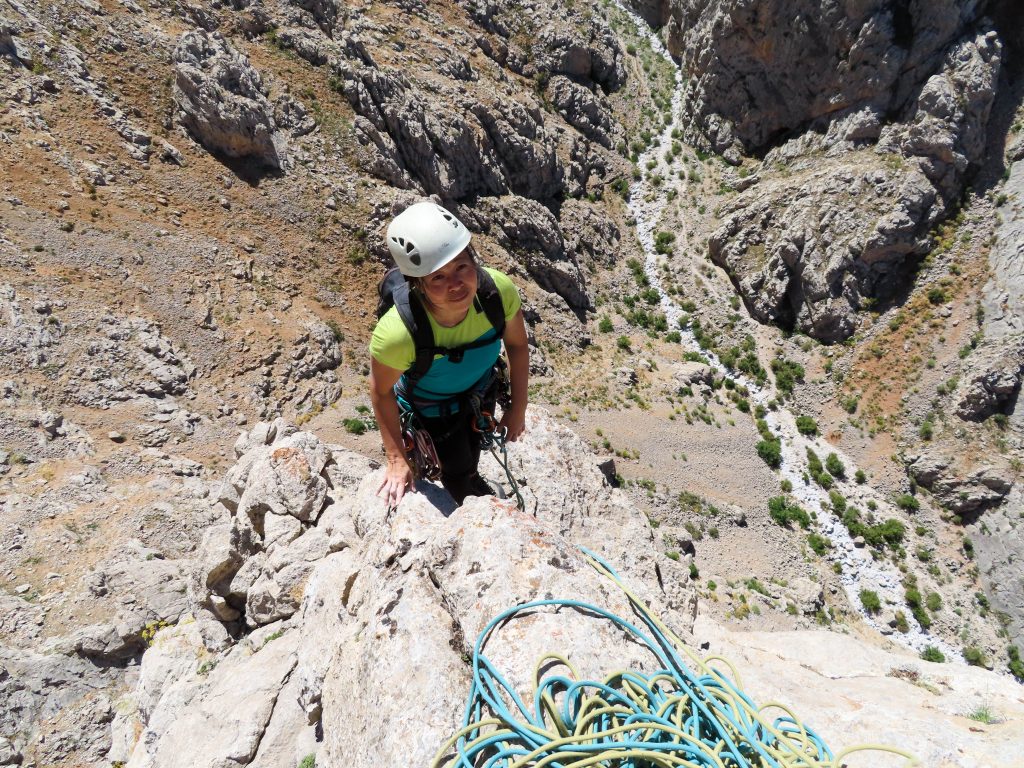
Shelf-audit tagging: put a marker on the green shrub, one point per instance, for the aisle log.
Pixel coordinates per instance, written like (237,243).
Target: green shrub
(605,324)
(901,622)
(818,543)
(835,466)
(309,761)
(354,426)
(870,600)
(933,654)
(783,512)
(907,502)
(771,452)
(787,374)
(974,656)
(934,602)
(1016,665)
(838,502)
(623,343)
(936,295)
(663,242)
(805,425)
(860,477)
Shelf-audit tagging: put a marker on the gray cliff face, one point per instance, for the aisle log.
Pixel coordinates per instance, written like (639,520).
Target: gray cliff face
(894,140)
(761,71)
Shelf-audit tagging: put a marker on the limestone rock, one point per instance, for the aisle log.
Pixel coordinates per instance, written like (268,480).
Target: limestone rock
(807,256)
(220,99)
(530,230)
(756,77)
(995,381)
(965,492)
(581,108)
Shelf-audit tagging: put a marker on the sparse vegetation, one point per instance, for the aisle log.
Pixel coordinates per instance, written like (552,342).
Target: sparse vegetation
(870,600)
(784,512)
(806,425)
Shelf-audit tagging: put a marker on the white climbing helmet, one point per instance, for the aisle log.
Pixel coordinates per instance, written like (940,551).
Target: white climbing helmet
(424,237)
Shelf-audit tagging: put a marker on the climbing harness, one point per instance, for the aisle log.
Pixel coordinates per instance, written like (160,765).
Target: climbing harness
(493,438)
(673,716)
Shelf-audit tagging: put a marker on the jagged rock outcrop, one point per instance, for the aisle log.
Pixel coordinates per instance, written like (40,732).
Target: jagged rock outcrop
(385,598)
(66,696)
(220,99)
(534,42)
(530,233)
(450,147)
(995,381)
(963,492)
(393,610)
(758,75)
(857,203)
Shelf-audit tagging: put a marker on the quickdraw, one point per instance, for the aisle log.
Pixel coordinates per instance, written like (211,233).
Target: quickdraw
(493,438)
(419,449)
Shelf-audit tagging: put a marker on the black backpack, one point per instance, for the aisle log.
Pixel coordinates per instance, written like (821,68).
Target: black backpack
(394,290)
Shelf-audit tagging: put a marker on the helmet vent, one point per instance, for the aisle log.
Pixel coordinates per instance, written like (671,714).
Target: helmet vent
(415,258)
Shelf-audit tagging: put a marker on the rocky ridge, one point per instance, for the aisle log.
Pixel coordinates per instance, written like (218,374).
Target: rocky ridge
(391,602)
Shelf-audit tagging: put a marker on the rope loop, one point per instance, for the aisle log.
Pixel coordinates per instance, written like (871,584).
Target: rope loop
(671,715)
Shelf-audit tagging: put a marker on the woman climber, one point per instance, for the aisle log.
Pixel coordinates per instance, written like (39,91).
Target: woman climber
(436,352)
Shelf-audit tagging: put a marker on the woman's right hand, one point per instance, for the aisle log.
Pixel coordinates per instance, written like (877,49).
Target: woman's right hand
(398,479)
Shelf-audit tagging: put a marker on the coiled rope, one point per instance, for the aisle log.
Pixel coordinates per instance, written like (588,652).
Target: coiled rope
(672,717)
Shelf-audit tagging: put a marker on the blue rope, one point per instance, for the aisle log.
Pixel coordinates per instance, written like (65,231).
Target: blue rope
(673,716)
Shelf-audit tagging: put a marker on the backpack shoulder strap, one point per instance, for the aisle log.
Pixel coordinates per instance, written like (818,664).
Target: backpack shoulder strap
(488,298)
(414,316)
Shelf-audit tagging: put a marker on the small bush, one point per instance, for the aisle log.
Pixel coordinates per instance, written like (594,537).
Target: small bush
(771,452)
(1016,665)
(835,466)
(818,543)
(901,622)
(933,654)
(605,324)
(936,295)
(623,343)
(805,425)
(870,600)
(860,477)
(907,502)
(663,242)
(783,512)
(787,374)
(934,602)
(354,426)
(974,656)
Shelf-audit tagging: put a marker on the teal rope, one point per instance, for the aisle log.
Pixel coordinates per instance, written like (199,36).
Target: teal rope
(632,719)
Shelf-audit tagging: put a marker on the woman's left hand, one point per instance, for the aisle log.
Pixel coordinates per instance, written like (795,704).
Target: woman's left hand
(515,423)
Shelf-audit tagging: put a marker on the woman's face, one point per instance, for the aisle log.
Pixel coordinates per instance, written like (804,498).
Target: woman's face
(453,286)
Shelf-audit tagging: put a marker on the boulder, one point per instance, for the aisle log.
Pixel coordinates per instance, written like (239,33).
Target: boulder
(220,99)
(994,384)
